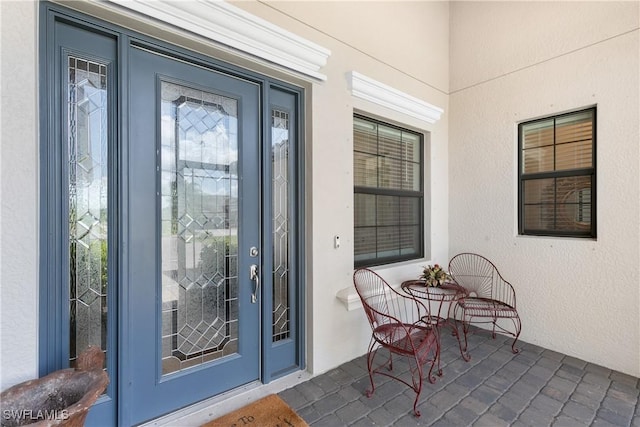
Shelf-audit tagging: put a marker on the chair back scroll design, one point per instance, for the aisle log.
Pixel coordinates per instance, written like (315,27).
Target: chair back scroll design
(397,325)
(480,277)
(488,296)
(383,305)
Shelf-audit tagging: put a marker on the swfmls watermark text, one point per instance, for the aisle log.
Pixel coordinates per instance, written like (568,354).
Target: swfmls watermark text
(31,415)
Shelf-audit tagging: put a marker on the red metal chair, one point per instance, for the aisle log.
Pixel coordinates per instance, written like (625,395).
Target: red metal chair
(392,316)
(488,297)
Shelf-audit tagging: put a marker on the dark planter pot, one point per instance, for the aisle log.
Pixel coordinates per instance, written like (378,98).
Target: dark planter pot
(62,398)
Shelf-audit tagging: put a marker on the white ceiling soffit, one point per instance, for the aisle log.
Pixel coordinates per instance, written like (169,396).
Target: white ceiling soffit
(224,23)
(372,90)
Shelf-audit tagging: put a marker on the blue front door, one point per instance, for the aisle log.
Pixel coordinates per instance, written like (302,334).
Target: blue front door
(172,218)
(193,304)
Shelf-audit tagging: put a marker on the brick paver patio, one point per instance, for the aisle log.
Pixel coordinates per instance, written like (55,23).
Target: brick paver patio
(536,387)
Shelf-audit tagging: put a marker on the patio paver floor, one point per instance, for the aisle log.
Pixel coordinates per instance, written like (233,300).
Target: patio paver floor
(536,387)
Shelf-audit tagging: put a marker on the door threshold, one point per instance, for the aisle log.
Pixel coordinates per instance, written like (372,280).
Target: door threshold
(216,406)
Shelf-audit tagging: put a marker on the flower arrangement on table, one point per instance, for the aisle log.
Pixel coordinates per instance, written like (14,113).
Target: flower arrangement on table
(434,275)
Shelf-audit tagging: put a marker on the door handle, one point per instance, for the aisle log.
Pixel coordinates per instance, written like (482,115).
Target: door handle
(255,277)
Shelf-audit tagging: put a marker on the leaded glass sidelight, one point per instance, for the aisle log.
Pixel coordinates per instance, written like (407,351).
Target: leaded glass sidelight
(199,203)
(280,130)
(88,186)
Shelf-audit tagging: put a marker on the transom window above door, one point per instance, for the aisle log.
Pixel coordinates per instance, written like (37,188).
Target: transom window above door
(388,193)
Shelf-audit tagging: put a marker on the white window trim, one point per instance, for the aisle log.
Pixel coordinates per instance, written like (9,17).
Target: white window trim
(379,93)
(374,91)
(224,23)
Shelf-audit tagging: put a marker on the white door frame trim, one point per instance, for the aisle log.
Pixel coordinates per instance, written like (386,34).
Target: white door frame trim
(231,26)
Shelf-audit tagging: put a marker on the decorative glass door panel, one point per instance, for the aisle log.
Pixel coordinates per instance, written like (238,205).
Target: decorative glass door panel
(194,213)
(88,185)
(280,152)
(199,211)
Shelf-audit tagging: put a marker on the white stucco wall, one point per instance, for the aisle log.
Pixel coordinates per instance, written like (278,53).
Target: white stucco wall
(366,27)
(576,296)
(334,334)
(337,335)
(18,193)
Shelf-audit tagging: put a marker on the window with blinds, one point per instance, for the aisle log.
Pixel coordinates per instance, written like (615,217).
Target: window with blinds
(557,175)
(388,193)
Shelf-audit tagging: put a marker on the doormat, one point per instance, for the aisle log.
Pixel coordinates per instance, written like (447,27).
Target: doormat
(270,411)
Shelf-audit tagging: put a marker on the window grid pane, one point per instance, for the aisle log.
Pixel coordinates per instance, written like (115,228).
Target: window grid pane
(388,210)
(574,155)
(390,173)
(557,192)
(537,134)
(365,136)
(365,169)
(538,159)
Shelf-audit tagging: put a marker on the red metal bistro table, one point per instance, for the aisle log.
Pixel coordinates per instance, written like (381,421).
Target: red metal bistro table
(441,301)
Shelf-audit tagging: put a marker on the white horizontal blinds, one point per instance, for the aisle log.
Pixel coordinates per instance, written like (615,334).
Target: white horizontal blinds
(386,157)
(365,222)
(365,167)
(365,136)
(573,203)
(365,209)
(558,203)
(557,171)
(539,203)
(390,158)
(574,141)
(561,143)
(538,147)
(388,220)
(388,211)
(411,161)
(409,225)
(388,191)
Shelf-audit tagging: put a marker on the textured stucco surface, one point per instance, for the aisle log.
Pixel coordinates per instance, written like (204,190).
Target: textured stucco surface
(18,193)
(375,27)
(575,296)
(490,39)
(334,334)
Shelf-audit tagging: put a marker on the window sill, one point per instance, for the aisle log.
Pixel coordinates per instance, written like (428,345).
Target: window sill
(351,300)
(393,274)
(349,297)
